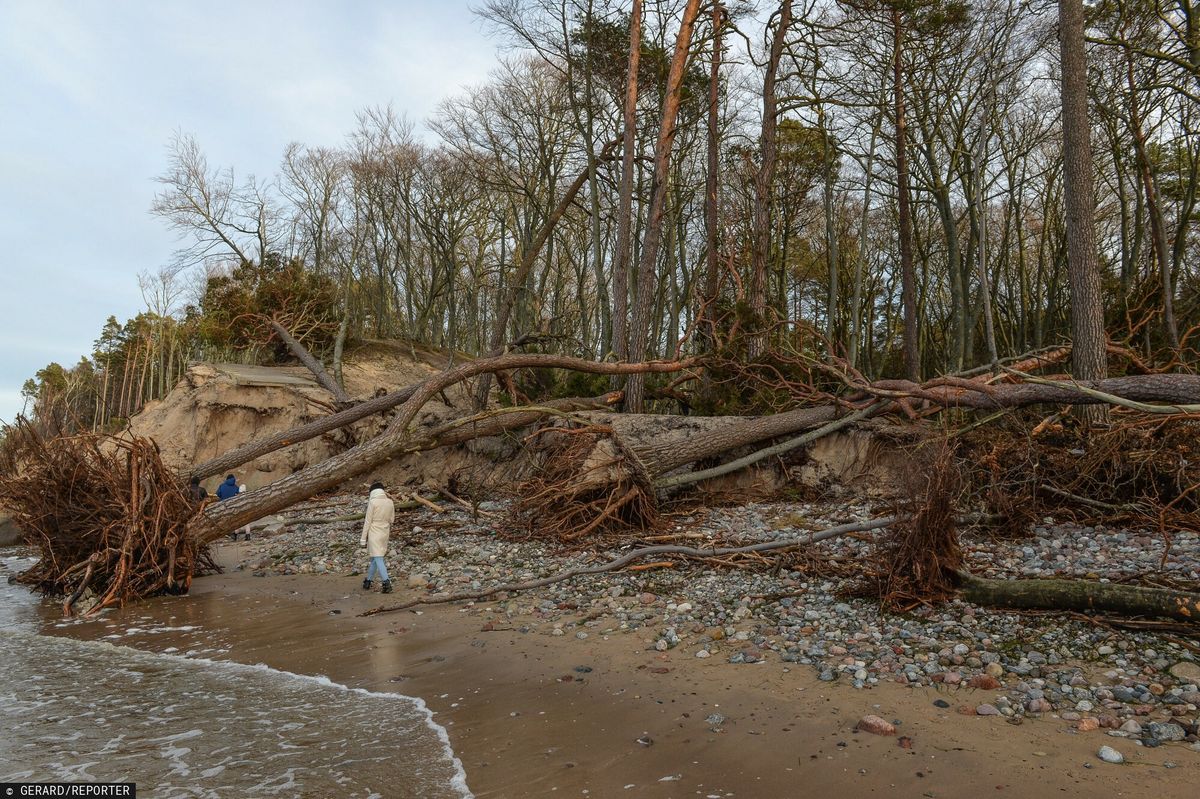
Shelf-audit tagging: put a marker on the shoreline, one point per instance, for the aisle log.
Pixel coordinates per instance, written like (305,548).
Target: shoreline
(533,714)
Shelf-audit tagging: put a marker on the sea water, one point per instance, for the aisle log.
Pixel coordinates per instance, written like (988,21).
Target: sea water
(186,724)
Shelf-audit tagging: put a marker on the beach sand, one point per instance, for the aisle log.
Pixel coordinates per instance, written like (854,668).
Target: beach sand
(537,715)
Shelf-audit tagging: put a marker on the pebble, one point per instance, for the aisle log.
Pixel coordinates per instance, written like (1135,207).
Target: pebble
(1110,755)
(1167,731)
(987,710)
(814,624)
(875,725)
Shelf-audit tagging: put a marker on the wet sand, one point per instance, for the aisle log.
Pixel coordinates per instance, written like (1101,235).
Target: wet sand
(526,722)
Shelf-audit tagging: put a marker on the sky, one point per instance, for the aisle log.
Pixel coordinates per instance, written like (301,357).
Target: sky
(92,92)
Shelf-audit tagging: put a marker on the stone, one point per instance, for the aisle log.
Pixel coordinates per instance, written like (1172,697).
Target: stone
(875,725)
(647,598)
(984,682)
(1038,706)
(417,581)
(1110,755)
(1132,727)
(1087,724)
(987,710)
(1186,672)
(994,669)
(1165,731)
(703,653)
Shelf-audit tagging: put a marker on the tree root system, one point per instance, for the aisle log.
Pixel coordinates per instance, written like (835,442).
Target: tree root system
(109,519)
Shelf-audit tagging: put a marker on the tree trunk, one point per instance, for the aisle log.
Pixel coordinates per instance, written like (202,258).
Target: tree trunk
(1158,230)
(908,277)
(639,333)
(305,357)
(620,325)
(764,180)
(707,326)
(860,262)
(1087,312)
(1081,595)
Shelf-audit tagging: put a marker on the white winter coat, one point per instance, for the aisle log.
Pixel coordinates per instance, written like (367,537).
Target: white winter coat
(377,525)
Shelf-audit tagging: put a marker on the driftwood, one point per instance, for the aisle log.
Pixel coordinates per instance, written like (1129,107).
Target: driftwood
(1079,595)
(638,554)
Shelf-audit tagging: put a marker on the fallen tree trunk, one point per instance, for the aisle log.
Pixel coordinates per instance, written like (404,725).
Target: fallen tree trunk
(305,357)
(667,455)
(268,444)
(227,516)
(1081,595)
(638,554)
(1172,389)
(771,451)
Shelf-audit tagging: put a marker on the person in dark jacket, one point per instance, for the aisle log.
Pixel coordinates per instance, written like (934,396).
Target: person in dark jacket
(196,491)
(228,489)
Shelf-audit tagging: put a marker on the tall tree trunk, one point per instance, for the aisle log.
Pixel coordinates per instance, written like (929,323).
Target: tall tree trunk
(908,276)
(707,327)
(985,286)
(620,325)
(831,236)
(764,181)
(1087,313)
(639,333)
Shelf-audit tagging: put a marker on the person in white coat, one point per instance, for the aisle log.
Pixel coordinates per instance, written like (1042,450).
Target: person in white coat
(377,528)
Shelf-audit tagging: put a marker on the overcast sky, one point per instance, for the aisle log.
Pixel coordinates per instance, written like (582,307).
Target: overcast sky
(91,92)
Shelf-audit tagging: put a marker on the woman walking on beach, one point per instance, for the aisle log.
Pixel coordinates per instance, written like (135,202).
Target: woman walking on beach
(377,528)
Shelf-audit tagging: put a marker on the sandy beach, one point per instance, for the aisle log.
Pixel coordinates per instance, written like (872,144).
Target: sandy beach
(540,715)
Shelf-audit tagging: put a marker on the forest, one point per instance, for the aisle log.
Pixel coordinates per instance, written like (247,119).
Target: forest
(880,181)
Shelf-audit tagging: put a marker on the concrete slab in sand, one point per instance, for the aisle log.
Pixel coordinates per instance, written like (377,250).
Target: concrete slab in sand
(245,375)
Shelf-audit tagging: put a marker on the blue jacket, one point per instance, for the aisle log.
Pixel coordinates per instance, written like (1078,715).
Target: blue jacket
(227,489)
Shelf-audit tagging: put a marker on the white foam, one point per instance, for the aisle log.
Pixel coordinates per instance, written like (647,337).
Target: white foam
(458,781)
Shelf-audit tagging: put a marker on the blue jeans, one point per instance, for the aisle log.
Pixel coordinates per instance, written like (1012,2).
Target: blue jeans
(376,566)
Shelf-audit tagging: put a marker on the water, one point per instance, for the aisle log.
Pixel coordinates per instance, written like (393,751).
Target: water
(186,725)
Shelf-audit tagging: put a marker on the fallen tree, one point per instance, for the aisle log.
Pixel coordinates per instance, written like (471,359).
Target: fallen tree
(1081,595)
(227,516)
(305,357)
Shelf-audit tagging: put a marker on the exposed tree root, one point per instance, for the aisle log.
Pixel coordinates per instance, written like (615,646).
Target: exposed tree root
(587,486)
(108,520)
(915,561)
